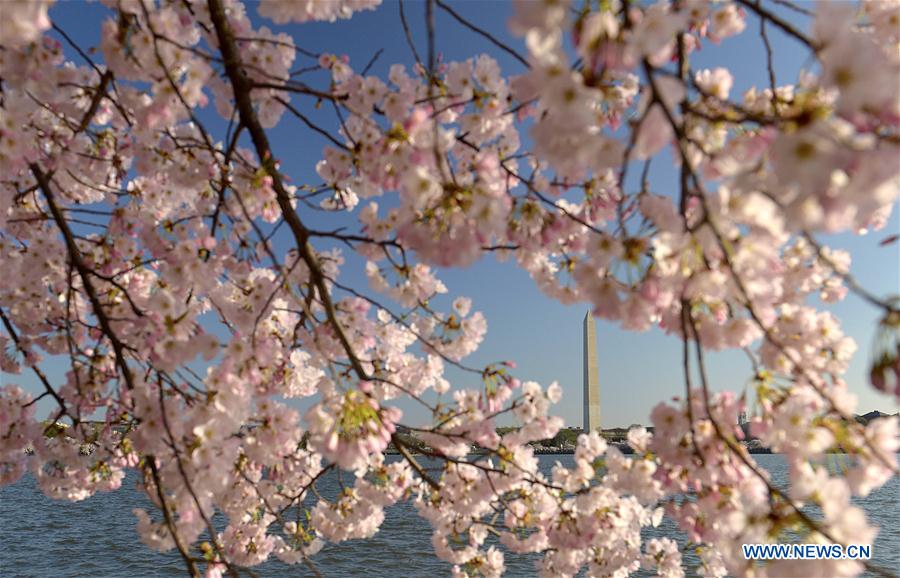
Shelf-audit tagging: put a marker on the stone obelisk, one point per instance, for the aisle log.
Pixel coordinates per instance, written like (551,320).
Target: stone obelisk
(591,377)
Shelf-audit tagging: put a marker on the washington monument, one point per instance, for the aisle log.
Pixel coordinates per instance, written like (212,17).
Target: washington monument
(591,378)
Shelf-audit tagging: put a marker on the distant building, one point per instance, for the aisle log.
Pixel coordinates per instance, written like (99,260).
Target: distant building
(615,434)
(872,415)
(591,376)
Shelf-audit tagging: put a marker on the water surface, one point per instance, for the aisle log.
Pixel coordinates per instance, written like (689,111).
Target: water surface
(41,537)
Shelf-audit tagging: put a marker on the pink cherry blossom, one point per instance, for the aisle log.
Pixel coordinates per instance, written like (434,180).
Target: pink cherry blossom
(179,266)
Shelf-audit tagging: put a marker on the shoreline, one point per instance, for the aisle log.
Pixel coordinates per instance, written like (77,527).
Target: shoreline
(625,449)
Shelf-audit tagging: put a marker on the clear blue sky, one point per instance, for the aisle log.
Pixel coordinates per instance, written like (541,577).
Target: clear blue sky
(636,369)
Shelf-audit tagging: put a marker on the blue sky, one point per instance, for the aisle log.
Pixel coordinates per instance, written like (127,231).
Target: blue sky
(544,337)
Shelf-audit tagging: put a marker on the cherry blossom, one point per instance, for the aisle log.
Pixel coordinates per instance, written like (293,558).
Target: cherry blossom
(156,240)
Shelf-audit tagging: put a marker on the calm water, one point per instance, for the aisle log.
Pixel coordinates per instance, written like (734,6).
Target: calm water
(40,537)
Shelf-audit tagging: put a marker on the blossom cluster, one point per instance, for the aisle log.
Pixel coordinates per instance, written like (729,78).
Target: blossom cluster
(153,238)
